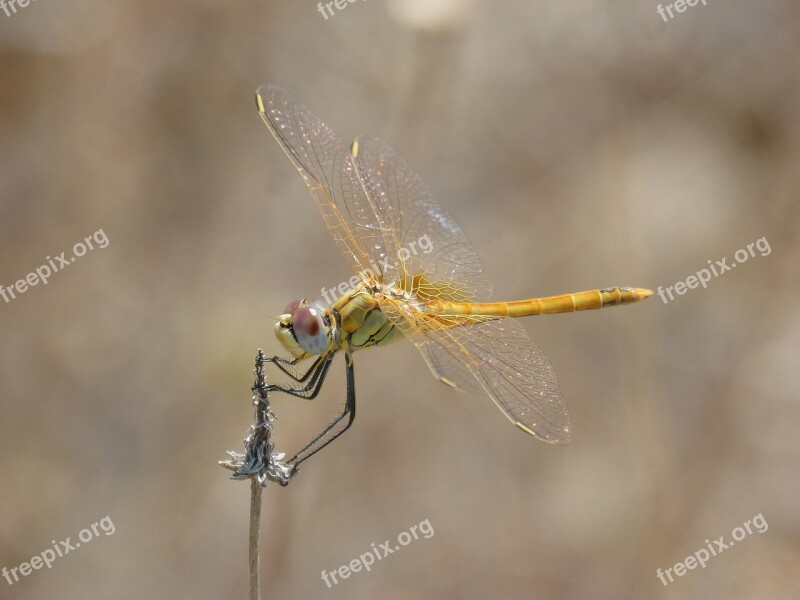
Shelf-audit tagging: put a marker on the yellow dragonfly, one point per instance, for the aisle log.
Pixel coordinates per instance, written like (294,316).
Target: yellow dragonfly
(379,213)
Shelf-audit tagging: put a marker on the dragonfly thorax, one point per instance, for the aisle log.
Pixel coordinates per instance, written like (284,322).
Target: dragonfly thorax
(362,322)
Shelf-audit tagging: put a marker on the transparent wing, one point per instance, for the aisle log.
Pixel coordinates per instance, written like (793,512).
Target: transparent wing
(494,357)
(356,225)
(431,252)
(475,354)
(447,364)
(510,368)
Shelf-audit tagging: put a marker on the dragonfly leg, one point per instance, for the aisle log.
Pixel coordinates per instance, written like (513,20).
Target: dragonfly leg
(312,388)
(319,442)
(285,365)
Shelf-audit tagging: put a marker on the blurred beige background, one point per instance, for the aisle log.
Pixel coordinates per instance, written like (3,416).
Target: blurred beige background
(579,144)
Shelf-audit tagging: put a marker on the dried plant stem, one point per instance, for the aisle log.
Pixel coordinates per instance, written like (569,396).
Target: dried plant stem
(259,463)
(255,528)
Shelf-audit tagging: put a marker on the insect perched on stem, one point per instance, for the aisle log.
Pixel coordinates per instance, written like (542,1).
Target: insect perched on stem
(375,207)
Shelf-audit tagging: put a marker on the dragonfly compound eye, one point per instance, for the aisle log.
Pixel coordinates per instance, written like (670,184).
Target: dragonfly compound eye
(309,329)
(292,306)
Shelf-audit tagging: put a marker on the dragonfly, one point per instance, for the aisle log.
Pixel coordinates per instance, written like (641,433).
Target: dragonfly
(376,208)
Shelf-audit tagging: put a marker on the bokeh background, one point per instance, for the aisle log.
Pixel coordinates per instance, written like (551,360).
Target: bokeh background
(579,144)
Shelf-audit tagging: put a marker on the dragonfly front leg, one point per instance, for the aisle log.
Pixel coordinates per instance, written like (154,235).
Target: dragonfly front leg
(285,366)
(319,442)
(318,372)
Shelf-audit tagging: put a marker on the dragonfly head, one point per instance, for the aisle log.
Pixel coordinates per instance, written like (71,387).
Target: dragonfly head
(304,330)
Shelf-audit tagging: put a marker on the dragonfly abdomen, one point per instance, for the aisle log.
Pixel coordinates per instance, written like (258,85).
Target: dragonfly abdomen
(589,300)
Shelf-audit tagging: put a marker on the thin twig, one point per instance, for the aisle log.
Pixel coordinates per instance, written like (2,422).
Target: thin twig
(255,526)
(259,463)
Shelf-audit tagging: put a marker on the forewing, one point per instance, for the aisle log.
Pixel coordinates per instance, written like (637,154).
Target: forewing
(473,354)
(428,244)
(328,170)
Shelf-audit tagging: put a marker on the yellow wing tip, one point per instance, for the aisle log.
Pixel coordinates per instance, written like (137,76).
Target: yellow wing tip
(566,438)
(260,102)
(525,428)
